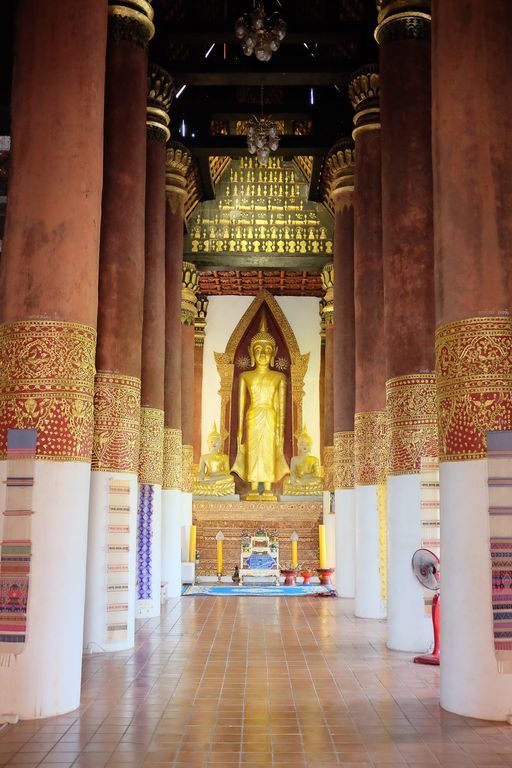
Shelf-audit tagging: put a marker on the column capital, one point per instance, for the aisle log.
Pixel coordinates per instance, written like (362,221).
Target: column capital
(364,92)
(202,302)
(189,288)
(327,276)
(341,163)
(176,170)
(131,20)
(403,20)
(160,94)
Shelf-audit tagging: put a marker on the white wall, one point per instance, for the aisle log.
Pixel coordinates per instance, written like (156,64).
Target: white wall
(224,313)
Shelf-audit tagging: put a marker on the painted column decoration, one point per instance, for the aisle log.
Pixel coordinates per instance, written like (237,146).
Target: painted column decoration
(409,315)
(472,236)
(370,377)
(111,561)
(321,385)
(49,269)
(149,544)
(341,162)
(327,275)
(177,166)
(199,334)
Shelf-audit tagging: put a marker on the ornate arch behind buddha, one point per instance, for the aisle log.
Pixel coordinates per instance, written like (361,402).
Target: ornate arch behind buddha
(235,360)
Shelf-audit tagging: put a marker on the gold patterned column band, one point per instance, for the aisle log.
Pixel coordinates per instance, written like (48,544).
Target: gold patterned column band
(341,163)
(187,453)
(328,468)
(370,448)
(343,469)
(116,423)
(202,302)
(47,383)
(412,422)
(327,276)
(172,476)
(474,384)
(403,20)
(189,288)
(151,456)
(364,93)
(160,93)
(131,20)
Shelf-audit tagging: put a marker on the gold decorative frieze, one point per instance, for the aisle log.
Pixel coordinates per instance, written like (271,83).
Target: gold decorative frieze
(474,384)
(276,511)
(327,276)
(177,167)
(160,93)
(341,164)
(370,448)
(189,288)
(328,468)
(403,20)
(364,93)
(411,408)
(187,456)
(172,471)
(131,20)
(262,211)
(116,423)
(47,383)
(343,469)
(151,457)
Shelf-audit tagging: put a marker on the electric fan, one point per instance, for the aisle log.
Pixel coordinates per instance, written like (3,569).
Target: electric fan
(425,566)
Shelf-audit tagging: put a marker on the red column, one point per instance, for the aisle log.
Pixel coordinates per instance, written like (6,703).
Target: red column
(190,284)
(178,162)
(328,402)
(199,334)
(48,306)
(341,161)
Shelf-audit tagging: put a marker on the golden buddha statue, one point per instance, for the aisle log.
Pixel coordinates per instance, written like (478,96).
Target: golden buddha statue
(305,478)
(260,459)
(213,478)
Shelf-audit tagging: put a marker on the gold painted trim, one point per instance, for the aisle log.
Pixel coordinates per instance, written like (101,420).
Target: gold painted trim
(370,452)
(116,423)
(396,17)
(164,130)
(151,457)
(411,407)
(122,11)
(362,128)
(172,469)
(344,459)
(187,454)
(158,112)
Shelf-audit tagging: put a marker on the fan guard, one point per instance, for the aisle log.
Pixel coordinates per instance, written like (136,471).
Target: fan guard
(425,566)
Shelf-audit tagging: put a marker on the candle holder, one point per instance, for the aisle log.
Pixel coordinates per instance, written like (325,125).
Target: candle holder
(219,576)
(324,574)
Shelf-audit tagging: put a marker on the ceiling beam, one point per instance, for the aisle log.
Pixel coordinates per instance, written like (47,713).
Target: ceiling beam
(251,261)
(240,76)
(329,37)
(236,146)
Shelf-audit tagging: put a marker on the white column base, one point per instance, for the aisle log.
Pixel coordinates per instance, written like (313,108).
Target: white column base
(345,536)
(96,590)
(409,629)
(329,522)
(368,602)
(149,608)
(470,682)
(44,680)
(171,541)
(186,522)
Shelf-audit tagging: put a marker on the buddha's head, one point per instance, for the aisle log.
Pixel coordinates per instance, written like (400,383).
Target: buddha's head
(262,347)
(215,440)
(304,441)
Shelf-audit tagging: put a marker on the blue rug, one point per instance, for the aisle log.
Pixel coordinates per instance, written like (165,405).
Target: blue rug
(270,591)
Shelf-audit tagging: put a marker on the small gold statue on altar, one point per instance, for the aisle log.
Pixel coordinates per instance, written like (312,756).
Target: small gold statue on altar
(305,477)
(260,459)
(213,478)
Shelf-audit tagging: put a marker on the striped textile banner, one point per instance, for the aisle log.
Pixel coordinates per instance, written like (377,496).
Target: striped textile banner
(118,560)
(430,514)
(15,543)
(499,453)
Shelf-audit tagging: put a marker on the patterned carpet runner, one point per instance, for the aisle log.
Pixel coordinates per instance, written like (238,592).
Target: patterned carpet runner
(264,591)
(118,560)
(430,514)
(16,544)
(499,452)
(145,543)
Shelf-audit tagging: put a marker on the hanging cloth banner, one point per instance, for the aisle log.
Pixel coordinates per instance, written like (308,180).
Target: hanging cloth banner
(499,453)
(15,543)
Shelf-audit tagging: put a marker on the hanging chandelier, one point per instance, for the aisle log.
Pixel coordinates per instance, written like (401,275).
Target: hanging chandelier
(262,136)
(258,34)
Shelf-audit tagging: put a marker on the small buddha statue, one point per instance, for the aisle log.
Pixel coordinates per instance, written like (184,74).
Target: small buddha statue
(305,478)
(213,478)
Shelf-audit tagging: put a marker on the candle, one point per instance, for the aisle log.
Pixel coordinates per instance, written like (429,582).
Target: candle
(295,557)
(219,556)
(192,544)
(321,546)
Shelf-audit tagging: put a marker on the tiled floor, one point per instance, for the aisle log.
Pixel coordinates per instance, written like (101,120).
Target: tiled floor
(258,682)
